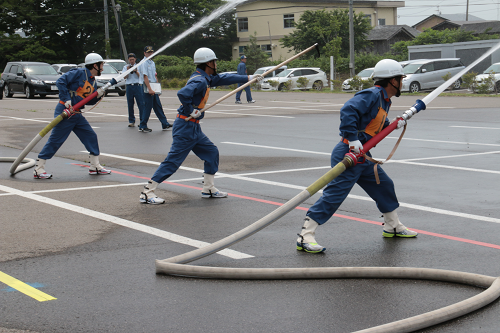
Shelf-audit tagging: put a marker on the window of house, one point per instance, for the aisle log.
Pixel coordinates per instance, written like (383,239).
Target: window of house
(267,48)
(288,20)
(241,50)
(381,21)
(243,24)
(369,18)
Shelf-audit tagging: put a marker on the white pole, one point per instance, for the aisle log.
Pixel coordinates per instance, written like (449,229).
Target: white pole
(332,73)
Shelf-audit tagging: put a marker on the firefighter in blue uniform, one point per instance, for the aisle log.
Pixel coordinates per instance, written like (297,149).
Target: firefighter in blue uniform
(187,135)
(362,117)
(74,86)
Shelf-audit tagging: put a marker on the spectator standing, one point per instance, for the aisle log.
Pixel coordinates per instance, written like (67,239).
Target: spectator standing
(134,89)
(151,99)
(242,70)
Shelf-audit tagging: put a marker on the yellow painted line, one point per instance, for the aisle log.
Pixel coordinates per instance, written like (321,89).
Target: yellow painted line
(24,288)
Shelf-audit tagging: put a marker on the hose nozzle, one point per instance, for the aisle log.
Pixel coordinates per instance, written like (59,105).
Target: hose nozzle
(417,107)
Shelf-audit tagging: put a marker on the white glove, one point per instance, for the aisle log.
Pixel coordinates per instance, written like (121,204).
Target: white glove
(68,105)
(259,77)
(195,114)
(355,146)
(401,122)
(100,92)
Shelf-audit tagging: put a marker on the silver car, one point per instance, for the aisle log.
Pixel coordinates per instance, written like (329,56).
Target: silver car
(428,74)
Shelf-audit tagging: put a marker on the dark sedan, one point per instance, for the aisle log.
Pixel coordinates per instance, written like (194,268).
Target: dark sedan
(30,79)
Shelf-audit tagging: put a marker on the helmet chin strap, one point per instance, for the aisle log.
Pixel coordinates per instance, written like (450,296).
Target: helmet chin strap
(398,91)
(98,68)
(212,68)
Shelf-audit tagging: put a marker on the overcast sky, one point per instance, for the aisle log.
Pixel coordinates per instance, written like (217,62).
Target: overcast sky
(417,10)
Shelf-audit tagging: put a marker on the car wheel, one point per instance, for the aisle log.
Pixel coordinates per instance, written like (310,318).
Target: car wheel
(28,92)
(43,95)
(6,91)
(121,93)
(318,85)
(414,87)
(497,87)
(281,87)
(457,84)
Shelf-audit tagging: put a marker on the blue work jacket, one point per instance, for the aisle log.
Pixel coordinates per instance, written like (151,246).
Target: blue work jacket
(242,68)
(194,94)
(76,84)
(365,114)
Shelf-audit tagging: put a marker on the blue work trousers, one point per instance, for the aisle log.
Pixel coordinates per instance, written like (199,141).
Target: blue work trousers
(187,136)
(78,124)
(247,90)
(362,174)
(134,91)
(152,101)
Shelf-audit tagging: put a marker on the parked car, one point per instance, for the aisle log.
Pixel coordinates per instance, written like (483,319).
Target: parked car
(63,68)
(428,74)
(262,70)
(365,74)
(29,78)
(1,89)
(116,63)
(316,79)
(108,73)
(495,70)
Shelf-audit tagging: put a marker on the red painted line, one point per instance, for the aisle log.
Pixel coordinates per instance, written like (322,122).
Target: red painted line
(423,232)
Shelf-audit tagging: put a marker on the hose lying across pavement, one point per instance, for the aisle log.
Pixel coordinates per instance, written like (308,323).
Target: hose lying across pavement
(28,163)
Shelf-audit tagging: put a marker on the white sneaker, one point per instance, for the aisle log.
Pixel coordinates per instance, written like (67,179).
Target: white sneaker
(152,199)
(42,175)
(252,101)
(218,194)
(99,171)
(238,102)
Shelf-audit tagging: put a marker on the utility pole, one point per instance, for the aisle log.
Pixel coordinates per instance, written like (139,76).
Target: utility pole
(351,39)
(107,47)
(116,9)
(467,11)
(270,40)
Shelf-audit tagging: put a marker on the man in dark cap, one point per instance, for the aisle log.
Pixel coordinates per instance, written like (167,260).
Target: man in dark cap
(242,70)
(134,89)
(151,97)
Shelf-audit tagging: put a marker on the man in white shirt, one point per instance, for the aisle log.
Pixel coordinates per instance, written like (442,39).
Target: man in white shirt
(134,89)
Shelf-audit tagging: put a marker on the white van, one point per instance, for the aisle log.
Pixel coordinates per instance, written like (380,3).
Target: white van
(262,70)
(428,74)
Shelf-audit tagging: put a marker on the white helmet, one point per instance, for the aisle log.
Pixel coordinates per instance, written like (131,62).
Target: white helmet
(387,68)
(204,55)
(93,58)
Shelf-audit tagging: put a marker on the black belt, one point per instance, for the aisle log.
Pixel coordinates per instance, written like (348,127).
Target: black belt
(133,84)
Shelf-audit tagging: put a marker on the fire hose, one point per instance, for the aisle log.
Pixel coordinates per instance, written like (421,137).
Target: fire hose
(176,265)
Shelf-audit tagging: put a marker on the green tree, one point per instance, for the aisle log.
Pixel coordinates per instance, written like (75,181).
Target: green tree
(74,28)
(430,36)
(256,58)
(330,29)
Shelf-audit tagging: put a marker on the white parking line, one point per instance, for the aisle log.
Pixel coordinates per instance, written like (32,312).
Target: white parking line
(391,161)
(27,119)
(125,223)
(493,128)
(297,187)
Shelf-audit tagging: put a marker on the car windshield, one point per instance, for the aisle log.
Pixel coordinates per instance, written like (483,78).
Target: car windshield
(411,68)
(365,73)
(118,65)
(495,68)
(261,71)
(285,72)
(109,69)
(40,70)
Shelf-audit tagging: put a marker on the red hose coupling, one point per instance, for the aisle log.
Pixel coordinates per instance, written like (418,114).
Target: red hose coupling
(354,158)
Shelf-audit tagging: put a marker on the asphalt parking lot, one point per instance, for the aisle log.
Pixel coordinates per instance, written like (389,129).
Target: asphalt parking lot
(88,245)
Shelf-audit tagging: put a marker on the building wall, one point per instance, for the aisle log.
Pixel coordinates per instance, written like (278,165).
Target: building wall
(428,24)
(468,52)
(266,22)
